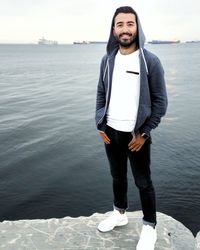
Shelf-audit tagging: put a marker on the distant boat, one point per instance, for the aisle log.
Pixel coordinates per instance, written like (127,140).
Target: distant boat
(43,41)
(81,42)
(164,41)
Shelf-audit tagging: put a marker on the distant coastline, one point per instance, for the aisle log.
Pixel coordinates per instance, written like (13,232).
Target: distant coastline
(148,42)
(195,41)
(164,41)
(51,42)
(89,42)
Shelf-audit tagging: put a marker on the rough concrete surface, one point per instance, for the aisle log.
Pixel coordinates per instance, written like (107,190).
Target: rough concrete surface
(198,241)
(81,233)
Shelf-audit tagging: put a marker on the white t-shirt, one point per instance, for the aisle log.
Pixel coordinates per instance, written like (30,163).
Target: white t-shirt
(125,92)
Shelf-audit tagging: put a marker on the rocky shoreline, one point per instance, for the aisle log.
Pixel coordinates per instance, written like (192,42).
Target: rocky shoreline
(81,233)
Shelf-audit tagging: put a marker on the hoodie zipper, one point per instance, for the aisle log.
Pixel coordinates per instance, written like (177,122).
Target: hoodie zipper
(144,61)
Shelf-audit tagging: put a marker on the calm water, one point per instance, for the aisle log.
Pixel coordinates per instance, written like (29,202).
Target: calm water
(52,161)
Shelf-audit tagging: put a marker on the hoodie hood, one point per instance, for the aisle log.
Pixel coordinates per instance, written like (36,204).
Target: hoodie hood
(113,44)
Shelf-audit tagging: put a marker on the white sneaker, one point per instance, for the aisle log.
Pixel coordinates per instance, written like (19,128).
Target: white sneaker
(116,219)
(148,238)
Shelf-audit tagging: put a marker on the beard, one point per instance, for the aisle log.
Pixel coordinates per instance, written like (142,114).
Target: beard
(126,42)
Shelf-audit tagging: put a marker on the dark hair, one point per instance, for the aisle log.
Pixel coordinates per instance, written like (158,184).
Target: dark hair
(126,10)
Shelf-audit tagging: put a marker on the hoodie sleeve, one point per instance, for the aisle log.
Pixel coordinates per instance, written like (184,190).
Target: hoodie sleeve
(101,93)
(158,95)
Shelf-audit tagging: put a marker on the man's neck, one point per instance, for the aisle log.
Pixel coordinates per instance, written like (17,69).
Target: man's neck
(128,50)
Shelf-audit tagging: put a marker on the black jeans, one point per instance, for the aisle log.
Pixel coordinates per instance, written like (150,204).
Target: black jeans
(118,153)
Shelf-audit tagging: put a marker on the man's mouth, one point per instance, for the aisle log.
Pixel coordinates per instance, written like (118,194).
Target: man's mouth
(125,36)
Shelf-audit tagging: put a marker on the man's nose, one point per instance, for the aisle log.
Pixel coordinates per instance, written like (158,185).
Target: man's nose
(125,29)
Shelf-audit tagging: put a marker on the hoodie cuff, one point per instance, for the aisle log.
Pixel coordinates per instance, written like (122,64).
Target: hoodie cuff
(145,130)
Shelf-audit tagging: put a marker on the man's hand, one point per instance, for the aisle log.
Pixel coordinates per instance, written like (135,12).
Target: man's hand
(104,137)
(136,143)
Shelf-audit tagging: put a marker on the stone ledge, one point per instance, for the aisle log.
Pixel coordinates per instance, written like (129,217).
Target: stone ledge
(198,241)
(81,233)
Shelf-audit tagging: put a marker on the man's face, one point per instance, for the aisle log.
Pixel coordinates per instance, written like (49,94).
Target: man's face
(125,29)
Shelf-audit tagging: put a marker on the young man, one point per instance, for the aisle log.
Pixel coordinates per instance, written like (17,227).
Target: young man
(131,99)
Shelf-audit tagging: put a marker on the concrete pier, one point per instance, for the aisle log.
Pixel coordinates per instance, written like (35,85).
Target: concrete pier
(81,233)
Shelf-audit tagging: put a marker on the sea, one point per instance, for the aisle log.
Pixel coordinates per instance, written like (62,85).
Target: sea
(52,159)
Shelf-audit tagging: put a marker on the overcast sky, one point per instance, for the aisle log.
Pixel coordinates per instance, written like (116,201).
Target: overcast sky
(25,21)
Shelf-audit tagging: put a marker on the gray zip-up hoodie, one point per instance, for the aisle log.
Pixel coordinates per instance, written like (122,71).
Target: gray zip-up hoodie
(153,96)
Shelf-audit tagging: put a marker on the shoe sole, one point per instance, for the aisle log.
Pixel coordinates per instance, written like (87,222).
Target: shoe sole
(118,225)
